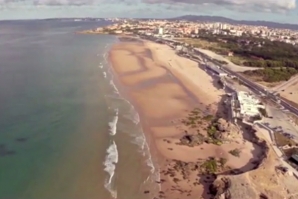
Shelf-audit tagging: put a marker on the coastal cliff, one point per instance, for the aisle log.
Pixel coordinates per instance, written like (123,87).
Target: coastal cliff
(262,182)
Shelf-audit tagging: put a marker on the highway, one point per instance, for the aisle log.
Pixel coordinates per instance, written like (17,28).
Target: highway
(258,89)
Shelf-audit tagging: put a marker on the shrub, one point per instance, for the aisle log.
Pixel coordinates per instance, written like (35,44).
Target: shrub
(223,161)
(235,152)
(210,166)
(208,117)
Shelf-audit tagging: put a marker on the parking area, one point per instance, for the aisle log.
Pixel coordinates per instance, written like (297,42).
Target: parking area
(280,122)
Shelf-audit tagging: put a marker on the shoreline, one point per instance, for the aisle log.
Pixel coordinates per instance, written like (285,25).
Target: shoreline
(159,161)
(124,93)
(164,88)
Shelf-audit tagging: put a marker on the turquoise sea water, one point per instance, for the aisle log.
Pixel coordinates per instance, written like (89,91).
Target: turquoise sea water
(65,132)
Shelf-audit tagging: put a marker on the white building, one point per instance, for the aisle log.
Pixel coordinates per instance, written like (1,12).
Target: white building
(224,27)
(160,31)
(249,105)
(118,31)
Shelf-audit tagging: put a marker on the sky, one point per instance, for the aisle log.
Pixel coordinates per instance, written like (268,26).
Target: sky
(284,11)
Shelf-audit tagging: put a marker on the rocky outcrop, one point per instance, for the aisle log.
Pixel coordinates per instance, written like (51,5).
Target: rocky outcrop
(236,185)
(217,132)
(232,187)
(222,125)
(184,168)
(260,142)
(220,188)
(192,140)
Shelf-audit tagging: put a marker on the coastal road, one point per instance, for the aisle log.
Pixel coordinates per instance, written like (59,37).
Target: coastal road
(280,122)
(280,118)
(258,89)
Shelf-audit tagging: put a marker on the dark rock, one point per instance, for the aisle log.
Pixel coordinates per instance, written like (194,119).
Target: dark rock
(192,140)
(263,196)
(220,186)
(222,125)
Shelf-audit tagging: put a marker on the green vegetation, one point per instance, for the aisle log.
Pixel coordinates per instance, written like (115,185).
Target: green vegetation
(223,161)
(210,166)
(214,136)
(273,74)
(279,59)
(213,165)
(235,152)
(211,130)
(236,60)
(208,117)
(193,118)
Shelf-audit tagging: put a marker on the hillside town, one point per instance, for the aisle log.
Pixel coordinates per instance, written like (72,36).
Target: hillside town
(166,28)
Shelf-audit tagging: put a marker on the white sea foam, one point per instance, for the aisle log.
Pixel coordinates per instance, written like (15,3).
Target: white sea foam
(110,166)
(113,123)
(105,74)
(133,115)
(141,141)
(114,86)
(100,65)
(136,118)
(105,57)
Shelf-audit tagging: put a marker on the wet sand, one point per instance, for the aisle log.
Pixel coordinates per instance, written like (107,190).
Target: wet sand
(164,88)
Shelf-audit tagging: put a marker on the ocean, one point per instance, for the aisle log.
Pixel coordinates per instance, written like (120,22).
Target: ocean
(65,131)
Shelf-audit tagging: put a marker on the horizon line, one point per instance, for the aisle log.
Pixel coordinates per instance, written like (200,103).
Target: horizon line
(165,18)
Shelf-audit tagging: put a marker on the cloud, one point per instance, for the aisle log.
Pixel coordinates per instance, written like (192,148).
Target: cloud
(280,6)
(257,5)
(63,2)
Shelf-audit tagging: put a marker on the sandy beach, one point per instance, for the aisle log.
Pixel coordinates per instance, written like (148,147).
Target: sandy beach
(165,88)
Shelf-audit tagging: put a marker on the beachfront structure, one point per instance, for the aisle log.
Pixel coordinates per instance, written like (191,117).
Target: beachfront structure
(249,105)
(246,107)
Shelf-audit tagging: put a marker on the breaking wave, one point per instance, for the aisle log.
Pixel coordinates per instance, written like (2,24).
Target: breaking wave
(110,165)
(113,123)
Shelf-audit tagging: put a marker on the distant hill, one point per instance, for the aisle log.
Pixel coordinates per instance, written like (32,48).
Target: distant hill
(203,18)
